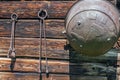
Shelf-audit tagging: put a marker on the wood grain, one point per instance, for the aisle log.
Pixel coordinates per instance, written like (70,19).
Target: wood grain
(29,47)
(55,67)
(56,49)
(33,76)
(29,9)
(30,28)
(32,65)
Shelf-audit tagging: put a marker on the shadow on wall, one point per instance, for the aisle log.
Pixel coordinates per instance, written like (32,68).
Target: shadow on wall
(98,68)
(118,4)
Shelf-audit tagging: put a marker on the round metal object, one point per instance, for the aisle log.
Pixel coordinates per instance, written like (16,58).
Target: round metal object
(14,16)
(42,14)
(92,27)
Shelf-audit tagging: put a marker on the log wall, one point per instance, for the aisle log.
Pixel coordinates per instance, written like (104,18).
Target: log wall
(64,63)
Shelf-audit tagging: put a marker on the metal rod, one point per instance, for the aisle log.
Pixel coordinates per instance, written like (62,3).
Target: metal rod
(42,14)
(11,52)
(40,53)
(46,59)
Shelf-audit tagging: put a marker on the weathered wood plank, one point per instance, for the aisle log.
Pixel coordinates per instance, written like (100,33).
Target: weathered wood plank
(88,78)
(31,65)
(29,47)
(29,9)
(30,28)
(31,76)
(59,67)
(28,76)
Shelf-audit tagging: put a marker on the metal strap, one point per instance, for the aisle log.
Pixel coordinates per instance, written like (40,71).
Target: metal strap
(42,14)
(11,52)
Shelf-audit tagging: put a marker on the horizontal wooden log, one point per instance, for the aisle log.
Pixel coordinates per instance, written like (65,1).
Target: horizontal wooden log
(88,78)
(31,76)
(59,67)
(30,28)
(29,9)
(27,76)
(29,47)
(31,65)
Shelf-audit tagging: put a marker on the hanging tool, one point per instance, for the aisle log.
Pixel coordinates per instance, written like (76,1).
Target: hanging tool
(42,14)
(11,52)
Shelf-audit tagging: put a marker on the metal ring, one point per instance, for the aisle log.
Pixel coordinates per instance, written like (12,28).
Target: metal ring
(14,16)
(42,14)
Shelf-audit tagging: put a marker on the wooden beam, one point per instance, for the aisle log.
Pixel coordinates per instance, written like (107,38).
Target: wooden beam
(29,47)
(88,78)
(29,9)
(32,65)
(30,28)
(55,67)
(33,76)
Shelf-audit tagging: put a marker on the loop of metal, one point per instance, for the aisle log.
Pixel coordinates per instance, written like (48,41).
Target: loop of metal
(11,52)
(42,14)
